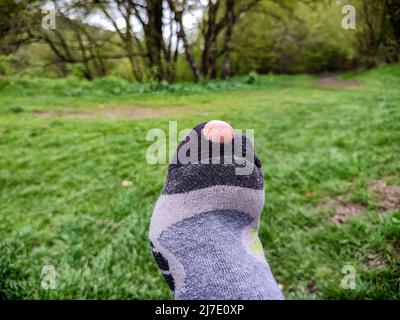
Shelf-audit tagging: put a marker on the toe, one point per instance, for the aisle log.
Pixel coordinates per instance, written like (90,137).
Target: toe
(218,131)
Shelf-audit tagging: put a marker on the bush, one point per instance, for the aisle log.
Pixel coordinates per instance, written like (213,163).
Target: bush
(5,67)
(251,78)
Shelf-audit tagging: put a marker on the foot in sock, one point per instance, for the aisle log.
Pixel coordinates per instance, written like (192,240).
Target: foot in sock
(204,228)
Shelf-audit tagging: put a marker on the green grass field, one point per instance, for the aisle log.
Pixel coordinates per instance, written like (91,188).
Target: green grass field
(330,153)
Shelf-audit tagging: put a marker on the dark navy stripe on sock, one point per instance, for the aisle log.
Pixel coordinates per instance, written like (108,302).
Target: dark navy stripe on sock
(197,176)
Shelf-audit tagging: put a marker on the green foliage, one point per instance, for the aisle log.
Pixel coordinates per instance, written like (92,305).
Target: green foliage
(5,67)
(378,31)
(252,77)
(273,39)
(114,86)
(16,109)
(76,70)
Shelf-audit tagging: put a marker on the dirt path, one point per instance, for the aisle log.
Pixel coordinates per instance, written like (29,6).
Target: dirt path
(337,83)
(114,112)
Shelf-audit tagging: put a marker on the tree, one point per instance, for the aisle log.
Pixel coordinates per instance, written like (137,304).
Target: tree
(73,41)
(14,22)
(378,38)
(215,21)
(232,15)
(178,8)
(153,48)
(129,40)
(217,16)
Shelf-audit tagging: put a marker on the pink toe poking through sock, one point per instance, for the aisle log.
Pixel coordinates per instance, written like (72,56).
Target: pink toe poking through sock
(218,131)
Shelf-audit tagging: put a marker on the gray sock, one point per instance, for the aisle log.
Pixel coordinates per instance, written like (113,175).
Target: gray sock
(204,228)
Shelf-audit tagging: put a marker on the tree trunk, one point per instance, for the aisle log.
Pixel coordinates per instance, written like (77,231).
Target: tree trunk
(226,71)
(154,36)
(209,56)
(186,45)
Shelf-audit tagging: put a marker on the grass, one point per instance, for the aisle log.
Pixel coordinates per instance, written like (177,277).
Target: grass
(62,202)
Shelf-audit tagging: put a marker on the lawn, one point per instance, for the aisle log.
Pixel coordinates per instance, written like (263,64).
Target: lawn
(330,153)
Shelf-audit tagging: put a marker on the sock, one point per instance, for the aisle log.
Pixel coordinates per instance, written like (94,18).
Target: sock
(204,228)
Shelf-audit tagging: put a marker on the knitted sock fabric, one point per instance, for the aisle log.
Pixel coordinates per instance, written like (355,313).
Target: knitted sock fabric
(204,228)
